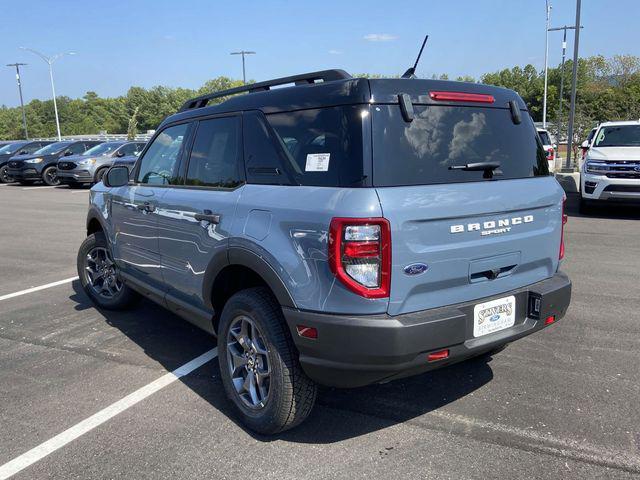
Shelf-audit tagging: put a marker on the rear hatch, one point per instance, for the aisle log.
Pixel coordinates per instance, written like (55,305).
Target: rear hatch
(461,235)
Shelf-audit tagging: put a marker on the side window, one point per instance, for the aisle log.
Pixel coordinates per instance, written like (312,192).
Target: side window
(215,158)
(128,149)
(263,161)
(139,148)
(32,148)
(77,148)
(158,166)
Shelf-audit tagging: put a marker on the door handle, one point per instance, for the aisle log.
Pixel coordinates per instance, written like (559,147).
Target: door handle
(146,207)
(207,216)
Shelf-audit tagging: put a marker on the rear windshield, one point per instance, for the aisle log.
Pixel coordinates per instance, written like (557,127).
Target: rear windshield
(323,146)
(421,152)
(544,136)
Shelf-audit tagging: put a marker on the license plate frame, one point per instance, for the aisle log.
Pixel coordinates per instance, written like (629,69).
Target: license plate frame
(494,316)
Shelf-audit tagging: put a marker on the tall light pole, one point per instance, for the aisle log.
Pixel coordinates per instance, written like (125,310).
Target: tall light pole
(50,61)
(546,64)
(24,116)
(243,53)
(564,53)
(572,108)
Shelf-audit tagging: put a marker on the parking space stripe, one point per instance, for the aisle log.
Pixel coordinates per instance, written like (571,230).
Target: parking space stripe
(36,289)
(35,454)
(37,188)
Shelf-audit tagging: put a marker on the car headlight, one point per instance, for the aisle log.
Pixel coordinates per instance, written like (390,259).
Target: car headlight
(34,160)
(596,167)
(89,161)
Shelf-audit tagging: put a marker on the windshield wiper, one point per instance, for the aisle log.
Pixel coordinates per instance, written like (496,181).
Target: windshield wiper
(489,168)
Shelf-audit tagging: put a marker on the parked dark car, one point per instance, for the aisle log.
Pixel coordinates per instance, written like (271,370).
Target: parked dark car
(128,162)
(42,165)
(20,147)
(92,164)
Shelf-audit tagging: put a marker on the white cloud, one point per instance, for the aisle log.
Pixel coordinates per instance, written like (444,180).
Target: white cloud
(335,52)
(379,37)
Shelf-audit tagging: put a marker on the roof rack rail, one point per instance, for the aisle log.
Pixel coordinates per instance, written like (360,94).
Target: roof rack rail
(302,79)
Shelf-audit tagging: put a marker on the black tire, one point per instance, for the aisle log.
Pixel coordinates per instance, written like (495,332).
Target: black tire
(291,394)
(50,177)
(4,175)
(123,297)
(99,174)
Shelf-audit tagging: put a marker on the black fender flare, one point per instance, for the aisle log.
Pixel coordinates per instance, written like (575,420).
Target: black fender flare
(246,258)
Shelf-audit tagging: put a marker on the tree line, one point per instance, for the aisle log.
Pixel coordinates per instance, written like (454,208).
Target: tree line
(608,89)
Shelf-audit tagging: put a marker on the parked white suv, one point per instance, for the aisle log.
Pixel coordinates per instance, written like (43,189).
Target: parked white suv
(611,169)
(548,142)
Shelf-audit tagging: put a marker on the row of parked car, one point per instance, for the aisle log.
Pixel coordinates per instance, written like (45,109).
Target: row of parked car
(72,162)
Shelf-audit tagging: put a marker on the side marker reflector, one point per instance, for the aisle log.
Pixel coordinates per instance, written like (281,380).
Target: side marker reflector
(550,319)
(307,332)
(439,355)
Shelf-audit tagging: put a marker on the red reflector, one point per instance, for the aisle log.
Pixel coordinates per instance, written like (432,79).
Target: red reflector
(462,97)
(439,355)
(565,218)
(307,332)
(550,319)
(362,249)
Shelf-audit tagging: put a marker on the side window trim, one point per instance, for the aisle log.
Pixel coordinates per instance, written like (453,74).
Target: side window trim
(136,169)
(187,156)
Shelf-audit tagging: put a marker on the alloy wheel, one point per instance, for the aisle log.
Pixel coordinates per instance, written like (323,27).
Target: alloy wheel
(51,176)
(101,273)
(248,362)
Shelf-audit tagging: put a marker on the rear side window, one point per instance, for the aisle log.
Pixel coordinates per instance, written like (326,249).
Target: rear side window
(264,159)
(215,156)
(544,137)
(421,152)
(323,146)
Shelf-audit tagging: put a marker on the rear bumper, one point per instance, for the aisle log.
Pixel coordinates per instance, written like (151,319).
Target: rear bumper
(353,351)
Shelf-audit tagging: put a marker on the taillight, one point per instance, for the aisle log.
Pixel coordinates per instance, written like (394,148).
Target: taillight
(360,255)
(462,97)
(564,221)
(551,154)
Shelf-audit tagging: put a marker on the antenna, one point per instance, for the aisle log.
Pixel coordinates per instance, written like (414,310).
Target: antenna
(411,72)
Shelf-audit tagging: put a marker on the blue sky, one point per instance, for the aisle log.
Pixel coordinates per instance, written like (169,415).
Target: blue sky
(182,43)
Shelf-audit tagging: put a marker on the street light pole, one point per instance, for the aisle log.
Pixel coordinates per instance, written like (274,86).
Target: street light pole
(24,116)
(243,53)
(50,61)
(546,65)
(572,108)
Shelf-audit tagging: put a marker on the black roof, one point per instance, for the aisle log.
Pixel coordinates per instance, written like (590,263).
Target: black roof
(335,87)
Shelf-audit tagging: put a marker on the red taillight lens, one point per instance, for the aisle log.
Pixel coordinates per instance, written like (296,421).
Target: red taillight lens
(550,319)
(551,154)
(462,97)
(307,332)
(564,221)
(360,255)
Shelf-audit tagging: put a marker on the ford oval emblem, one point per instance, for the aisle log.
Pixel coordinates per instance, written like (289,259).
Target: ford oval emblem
(415,269)
(637,168)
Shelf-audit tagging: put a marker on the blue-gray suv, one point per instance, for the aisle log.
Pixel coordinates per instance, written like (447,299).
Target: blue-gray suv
(340,231)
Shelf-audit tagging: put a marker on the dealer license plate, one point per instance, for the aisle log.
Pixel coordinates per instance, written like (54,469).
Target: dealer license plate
(493,316)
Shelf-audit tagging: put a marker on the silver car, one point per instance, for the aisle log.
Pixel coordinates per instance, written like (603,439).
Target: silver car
(91,166)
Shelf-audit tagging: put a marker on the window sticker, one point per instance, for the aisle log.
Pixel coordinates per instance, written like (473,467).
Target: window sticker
(317,162)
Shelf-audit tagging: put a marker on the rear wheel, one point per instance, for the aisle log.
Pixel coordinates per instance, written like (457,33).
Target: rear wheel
(50,176)
(259,364)
(99,275)
(4,175)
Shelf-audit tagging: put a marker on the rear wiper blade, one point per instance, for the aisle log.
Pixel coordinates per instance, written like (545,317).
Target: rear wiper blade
(489,168)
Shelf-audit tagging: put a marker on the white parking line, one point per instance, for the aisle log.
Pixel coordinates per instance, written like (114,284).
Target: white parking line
(81,191)
(97,419)
(37,188)
(36,289)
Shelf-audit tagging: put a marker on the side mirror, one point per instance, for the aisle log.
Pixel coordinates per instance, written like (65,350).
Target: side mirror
(68,153)
(585,144)
(120,154)
(117,176)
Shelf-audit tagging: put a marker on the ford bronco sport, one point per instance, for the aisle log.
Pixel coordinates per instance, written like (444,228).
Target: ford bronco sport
(340,231)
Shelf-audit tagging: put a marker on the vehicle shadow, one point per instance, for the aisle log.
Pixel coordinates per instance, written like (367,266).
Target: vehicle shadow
(613,211)
(338,415)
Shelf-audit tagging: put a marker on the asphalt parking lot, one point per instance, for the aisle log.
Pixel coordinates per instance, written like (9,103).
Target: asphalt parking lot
(559,404)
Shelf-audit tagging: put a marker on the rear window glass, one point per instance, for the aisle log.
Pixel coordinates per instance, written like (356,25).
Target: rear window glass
(439,137)
(323,146)
(544,136)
